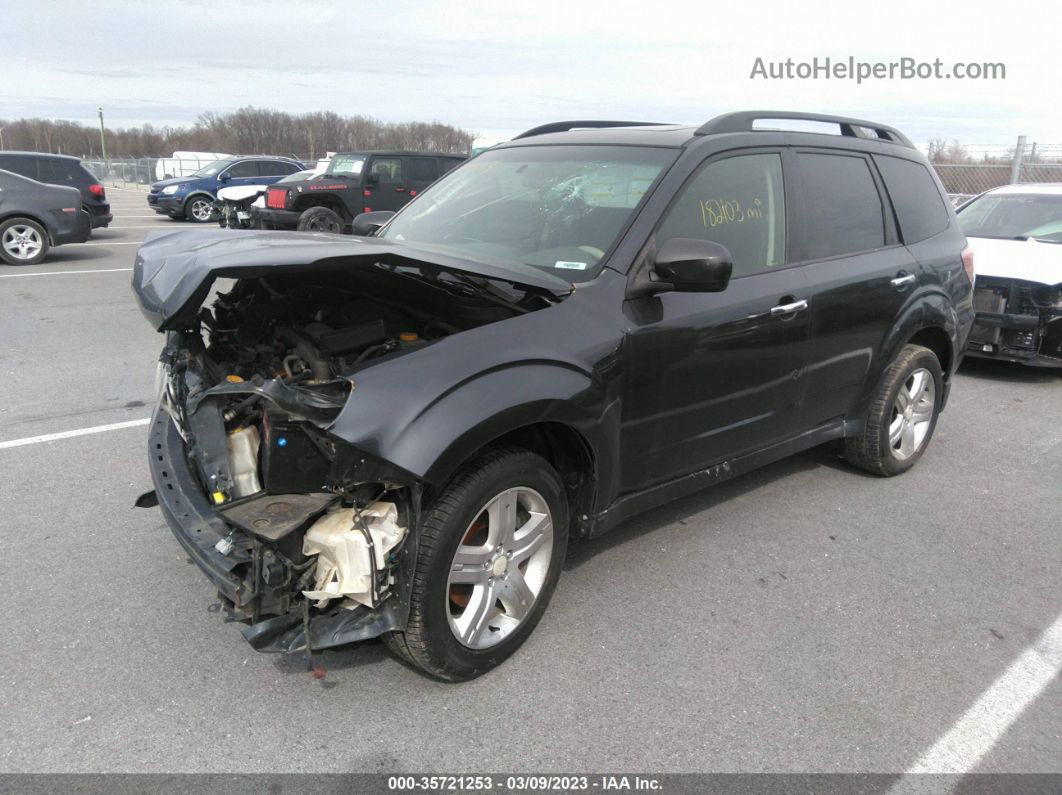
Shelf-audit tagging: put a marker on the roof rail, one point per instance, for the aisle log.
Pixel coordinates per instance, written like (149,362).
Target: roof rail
(742,121)
(564,126)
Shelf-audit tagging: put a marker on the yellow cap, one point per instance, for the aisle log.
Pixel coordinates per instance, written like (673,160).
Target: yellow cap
(219,497)
(234,379)
(408,336)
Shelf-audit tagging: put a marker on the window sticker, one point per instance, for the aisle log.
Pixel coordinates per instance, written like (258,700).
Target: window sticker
(572,266)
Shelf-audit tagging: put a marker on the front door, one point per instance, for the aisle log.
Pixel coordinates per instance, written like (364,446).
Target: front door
(712,375)
(387,185)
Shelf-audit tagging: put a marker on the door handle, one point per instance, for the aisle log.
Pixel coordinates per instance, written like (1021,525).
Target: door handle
(788,309)
(903,279)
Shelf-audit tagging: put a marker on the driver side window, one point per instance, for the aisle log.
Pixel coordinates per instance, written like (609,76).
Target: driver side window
(738,202)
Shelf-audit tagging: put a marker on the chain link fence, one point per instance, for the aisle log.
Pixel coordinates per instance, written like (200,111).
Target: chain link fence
(140,172)
(963,181)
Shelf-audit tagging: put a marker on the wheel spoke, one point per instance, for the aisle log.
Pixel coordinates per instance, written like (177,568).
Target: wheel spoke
(531,537)
(918,385)
(923,413)
(473,621)
(501,519)
(470,565)
(515,595)
(907,439)
(903,399)
(895,430)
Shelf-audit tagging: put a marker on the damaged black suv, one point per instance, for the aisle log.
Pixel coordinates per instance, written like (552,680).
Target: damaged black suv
(395,435)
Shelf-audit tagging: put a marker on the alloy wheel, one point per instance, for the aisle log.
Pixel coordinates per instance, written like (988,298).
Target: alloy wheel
(912,414)
(499,568)
(22,242)
(201,210)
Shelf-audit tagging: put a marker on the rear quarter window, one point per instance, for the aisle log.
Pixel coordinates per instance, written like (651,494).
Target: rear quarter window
(920,209)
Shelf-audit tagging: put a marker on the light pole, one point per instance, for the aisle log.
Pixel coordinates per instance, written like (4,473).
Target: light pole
(103,141)
(1,137)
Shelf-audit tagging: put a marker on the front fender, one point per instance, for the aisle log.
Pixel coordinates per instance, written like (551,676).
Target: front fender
(433,440)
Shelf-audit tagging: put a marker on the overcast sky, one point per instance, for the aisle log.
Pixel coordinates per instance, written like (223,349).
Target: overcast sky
(499,67)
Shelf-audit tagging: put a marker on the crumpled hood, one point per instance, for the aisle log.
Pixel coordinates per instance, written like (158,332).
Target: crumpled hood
(1027,260)
(173,271)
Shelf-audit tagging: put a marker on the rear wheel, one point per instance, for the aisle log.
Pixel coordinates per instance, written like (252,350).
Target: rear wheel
(22,241)
(903,415)
(488,561)
(199,209)
(320,219)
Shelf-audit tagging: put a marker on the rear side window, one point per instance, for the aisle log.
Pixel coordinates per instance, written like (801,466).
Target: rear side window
(247,168)
(842,207)
(423,169)
(387,169)
(275,168)
(738,202)
(447,163)
(25,166)
(918,204)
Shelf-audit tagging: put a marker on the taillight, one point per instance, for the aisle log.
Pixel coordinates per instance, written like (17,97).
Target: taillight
(96,189)
(968,263)
(276,198)
(366,193)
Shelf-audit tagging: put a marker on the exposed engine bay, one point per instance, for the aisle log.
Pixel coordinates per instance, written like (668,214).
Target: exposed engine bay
(1016,320)
(311,524)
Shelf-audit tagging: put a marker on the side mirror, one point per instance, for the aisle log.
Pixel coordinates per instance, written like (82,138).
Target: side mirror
(686,265)
(367,224)
(224,177)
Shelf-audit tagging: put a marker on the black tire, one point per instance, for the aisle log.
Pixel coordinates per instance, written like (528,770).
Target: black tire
(428,641)
(194,205)
(14,230)
(320,219)
(873,450)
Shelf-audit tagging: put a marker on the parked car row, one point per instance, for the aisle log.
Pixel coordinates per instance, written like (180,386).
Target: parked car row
(62,170)
(192,198)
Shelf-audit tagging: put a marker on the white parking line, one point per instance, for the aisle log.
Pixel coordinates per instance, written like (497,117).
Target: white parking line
(117,243)
(51,437)
(979,729)
(61,273)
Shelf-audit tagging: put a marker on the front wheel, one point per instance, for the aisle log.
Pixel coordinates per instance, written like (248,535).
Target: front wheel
(199,209)
(488,561)
(320,219)
(22,241)
(902,416)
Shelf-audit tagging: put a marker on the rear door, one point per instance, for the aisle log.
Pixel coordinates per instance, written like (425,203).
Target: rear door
(859,273)
(422,172)
(386,183)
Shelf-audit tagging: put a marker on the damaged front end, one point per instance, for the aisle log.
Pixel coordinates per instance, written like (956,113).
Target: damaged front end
(1017,321)
(309,538)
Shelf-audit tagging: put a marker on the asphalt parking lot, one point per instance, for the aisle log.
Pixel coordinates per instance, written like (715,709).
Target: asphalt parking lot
(803,618)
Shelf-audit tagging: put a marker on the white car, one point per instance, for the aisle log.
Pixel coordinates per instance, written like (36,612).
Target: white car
(1016,236)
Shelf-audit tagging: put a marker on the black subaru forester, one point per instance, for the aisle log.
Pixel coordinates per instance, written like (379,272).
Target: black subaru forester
(395,435)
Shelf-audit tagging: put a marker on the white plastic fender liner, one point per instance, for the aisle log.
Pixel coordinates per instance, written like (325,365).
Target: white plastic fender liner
(343,563)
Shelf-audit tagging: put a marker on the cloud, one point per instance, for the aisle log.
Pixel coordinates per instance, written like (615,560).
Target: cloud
(505,67)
